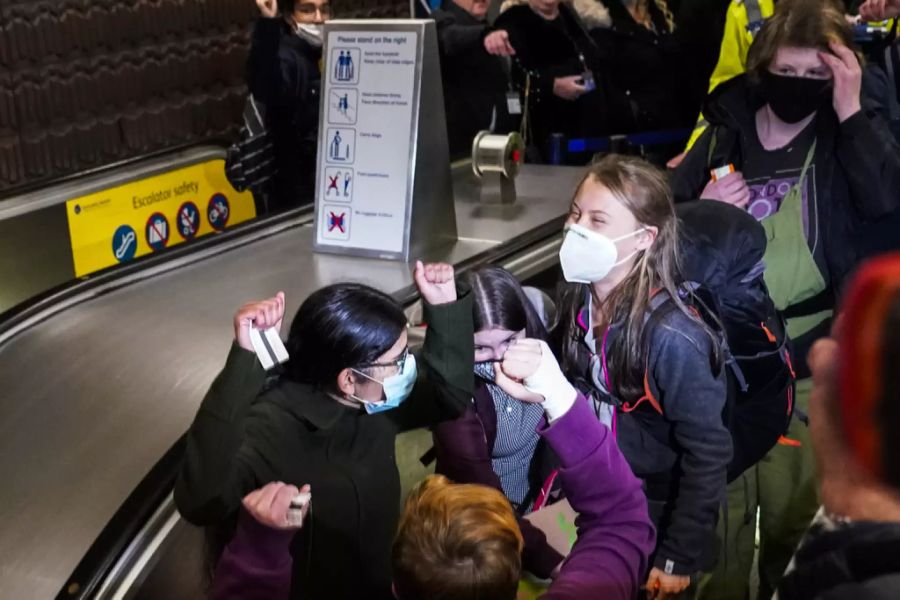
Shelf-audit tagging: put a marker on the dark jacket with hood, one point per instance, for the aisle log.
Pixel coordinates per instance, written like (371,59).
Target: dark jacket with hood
(283,74)
(463,451)
(850,561)
(247,434)
(857,178)
(681,454)
(550,49)
(475,83)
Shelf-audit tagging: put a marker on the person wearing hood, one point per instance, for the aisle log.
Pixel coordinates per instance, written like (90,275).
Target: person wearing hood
(558,68)
(283,74)
(814,163)
(473,73)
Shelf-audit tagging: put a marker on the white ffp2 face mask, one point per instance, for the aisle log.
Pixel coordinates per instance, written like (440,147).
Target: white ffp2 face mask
(587,256)
(312,33)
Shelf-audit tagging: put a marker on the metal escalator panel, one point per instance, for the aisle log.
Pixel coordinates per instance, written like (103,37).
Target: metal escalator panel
(96,390)
(165,556)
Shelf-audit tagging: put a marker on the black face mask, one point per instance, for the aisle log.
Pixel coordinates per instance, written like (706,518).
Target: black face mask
(794,98)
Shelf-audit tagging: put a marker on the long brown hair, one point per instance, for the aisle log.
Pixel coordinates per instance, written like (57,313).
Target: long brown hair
(644,190)
(801,24)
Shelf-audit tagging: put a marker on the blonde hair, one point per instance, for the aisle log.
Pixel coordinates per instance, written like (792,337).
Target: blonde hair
(456,542)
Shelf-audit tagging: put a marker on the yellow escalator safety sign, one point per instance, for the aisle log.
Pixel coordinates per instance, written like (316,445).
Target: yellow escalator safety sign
(119,224)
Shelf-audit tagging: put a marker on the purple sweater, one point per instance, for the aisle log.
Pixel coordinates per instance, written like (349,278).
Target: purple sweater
(609,560)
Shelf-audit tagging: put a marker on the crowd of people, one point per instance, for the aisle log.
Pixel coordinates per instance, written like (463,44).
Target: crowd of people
(629,390)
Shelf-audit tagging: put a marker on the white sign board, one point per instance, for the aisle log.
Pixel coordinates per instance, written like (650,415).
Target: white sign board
(368,137)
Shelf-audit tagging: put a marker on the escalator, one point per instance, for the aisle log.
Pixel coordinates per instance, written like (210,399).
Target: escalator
(100,378)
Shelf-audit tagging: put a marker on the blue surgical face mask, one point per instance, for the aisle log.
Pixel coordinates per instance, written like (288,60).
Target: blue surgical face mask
(397,388)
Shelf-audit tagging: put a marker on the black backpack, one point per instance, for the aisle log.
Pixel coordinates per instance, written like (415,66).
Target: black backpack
(250,162)
(721,257)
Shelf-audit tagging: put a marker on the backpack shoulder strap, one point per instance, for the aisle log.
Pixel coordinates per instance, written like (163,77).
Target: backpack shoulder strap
(648,396)
(661,305)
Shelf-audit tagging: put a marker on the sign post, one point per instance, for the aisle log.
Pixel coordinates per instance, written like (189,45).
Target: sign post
(383,186)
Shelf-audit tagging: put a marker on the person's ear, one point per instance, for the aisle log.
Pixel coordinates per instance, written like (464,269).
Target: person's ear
(646,237)
(346,383)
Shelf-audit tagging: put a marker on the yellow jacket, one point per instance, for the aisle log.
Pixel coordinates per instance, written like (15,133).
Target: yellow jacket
(742,22)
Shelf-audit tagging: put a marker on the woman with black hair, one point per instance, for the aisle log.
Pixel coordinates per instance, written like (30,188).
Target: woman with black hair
(329,421)
(495,442)
(283,74)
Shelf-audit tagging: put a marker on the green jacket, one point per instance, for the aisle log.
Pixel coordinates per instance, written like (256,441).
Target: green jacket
(244,437)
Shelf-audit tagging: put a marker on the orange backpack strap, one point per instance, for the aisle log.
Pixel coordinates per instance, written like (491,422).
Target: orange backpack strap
(648,396)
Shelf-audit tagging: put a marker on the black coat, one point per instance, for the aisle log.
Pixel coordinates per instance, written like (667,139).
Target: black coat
(857,176)
(475,83)
(548,51)
(283,73)
(644,71)
(852,561)
(245,436)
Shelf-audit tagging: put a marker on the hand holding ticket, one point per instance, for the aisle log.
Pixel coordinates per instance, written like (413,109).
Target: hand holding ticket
(721,172)
(279,505)
(727,185)
(257,327)
(268,347)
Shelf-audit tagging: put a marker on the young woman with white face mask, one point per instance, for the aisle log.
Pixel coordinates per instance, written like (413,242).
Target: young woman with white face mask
(656,382)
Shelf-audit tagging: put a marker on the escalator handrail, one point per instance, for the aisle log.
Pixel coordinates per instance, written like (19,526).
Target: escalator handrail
(107,550)
(36,186)
(36,309)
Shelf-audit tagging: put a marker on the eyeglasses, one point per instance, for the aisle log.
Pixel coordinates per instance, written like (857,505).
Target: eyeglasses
(399,362)
(309,9)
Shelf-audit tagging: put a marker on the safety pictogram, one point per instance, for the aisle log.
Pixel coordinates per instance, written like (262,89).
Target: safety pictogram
(124,243)
(335,222)
(345,65)
(218,212)
(338,184)
(188,220)
(157,231)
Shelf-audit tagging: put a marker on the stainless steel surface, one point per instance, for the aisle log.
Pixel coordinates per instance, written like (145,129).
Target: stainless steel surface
(35,225)
(428,206)
(148,569)
(93,395)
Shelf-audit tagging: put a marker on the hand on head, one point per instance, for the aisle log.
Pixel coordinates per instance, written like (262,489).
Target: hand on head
(847,77)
